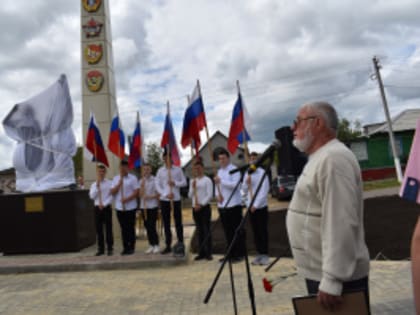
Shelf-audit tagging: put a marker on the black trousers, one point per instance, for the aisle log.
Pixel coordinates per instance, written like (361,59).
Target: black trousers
(104,218)
(127,220)
(165,206)
(349,286)
(259,222)
(202,220)
(150,216)
(231,218)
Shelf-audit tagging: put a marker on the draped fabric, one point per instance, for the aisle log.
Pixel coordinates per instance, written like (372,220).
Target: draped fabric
(45,141)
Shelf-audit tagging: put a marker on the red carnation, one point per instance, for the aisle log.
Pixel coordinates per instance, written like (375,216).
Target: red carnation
(268,287)
(270,284)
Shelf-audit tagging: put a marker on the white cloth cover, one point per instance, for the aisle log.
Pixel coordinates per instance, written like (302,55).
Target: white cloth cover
(46,143)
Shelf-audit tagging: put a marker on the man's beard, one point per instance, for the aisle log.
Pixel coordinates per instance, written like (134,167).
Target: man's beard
(303,144)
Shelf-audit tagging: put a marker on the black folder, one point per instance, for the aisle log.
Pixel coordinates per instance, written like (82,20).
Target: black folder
(353,303)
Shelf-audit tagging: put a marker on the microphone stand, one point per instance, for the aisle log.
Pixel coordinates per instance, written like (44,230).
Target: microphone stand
(272,264)
(239,230)
(268,153)
(227,257)
(276,260)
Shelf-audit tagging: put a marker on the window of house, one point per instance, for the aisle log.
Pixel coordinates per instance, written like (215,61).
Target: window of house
(360,150)
(398,147)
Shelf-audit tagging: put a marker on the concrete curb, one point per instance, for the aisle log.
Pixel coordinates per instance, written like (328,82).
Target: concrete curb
(86,261)
(73,266)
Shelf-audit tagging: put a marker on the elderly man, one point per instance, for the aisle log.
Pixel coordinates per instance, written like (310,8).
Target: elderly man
(415,264)
(325,216)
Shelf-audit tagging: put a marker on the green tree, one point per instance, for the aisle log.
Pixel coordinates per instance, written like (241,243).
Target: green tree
(78,161)
(153,156)
(348,131)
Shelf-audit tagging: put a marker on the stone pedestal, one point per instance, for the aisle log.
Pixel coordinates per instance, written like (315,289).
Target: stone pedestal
(48,222)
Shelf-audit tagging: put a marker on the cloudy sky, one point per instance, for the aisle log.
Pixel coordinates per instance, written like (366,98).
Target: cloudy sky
(284,53)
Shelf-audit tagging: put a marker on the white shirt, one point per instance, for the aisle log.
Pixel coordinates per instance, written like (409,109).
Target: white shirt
(228,183)
(261,199)
(204,190)
(162,179)
(130,184)
(149,190)
(106,196)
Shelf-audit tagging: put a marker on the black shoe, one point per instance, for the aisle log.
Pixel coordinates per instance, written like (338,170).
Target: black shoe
(110,252)
(199,257)
(179,249)
(125,252)
(167,250)
(210,257)
(99,253)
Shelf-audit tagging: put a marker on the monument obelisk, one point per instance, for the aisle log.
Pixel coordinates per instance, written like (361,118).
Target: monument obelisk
(98,85)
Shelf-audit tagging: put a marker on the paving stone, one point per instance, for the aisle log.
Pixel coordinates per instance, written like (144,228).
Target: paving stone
(158,285)
(181,290)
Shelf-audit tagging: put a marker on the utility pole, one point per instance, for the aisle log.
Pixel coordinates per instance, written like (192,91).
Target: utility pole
(388,119)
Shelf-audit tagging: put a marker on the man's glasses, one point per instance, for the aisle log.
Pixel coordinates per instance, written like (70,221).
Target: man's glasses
(297,121)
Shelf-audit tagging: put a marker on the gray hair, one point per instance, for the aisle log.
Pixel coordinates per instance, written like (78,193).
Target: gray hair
(327,111)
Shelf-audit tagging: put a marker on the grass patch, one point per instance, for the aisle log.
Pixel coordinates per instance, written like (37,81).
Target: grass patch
(378,184)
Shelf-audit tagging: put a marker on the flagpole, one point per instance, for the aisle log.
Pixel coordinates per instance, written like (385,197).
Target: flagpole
(98,182)
(194,177)
(142,188)
(95,154)
(194,158)
(119,154)
(245,141)
(213,165)
(169,164)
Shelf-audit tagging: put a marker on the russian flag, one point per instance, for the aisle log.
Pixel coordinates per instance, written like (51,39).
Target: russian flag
(95,150)
(135,157)
(411,182)
(169,141)
(194,121)
(116,141)
(237,130)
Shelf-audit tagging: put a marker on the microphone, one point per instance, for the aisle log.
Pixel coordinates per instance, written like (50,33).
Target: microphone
(276,144)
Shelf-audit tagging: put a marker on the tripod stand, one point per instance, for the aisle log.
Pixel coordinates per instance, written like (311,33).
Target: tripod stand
(237,236)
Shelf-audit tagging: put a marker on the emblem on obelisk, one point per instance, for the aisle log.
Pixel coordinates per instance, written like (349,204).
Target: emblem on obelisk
(93,53)
(94,80)
(92,28)
(91,5)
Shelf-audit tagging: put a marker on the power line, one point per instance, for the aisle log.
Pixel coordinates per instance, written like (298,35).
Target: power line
(401,87)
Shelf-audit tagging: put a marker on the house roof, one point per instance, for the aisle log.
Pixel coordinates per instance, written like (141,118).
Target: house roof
(405,120)
(217,133)
(8,171)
